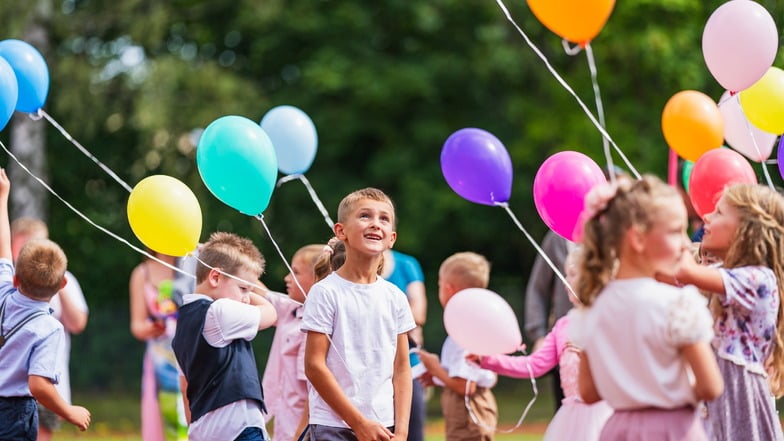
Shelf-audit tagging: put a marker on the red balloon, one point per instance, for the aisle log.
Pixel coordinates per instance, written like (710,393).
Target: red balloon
(715,170)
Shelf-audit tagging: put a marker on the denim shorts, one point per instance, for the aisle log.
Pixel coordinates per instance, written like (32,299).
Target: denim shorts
(20,418)
(252,434)
(317,432)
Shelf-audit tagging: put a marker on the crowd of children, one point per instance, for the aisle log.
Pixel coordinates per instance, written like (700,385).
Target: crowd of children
(661,347)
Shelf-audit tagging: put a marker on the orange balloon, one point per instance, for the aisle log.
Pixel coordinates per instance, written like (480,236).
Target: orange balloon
(692,124)
(578,21)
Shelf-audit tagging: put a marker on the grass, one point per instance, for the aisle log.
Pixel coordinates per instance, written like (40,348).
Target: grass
(115,417)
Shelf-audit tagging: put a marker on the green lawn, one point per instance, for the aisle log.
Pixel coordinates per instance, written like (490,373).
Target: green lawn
(115,417)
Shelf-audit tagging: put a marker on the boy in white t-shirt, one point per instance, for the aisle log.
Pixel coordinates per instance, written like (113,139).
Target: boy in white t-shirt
(458,272)
(356,352)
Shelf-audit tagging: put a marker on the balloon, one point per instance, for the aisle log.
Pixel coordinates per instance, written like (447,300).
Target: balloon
(578,21)
(692,124)
(482,322)
(560,186)
(9,92)
(739,43)
(293,136)
(32,74)
(712,172)
(237,163)
(763,103)
(688,166)
(741,134)
(477,166)
(780,156)
(165,215)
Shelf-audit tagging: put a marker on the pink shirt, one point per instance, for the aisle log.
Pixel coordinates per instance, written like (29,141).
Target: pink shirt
(284,382)
(540,362)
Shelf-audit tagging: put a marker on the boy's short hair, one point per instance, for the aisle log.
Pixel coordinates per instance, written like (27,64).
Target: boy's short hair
(31,227)
(229,253)
(374,194)
(40,269)
(466,270)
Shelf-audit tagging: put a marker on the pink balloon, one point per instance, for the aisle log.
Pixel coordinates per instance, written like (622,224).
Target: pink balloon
(739,43)
(482,322)
(741,134)
(560,187)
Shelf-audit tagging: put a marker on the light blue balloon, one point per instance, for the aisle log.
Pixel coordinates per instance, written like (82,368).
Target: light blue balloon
(9,92)
(293,136)
(32,74)
(237,163)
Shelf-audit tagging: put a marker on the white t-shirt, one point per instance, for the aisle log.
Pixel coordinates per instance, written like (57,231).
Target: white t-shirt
(227,320)
(632,335)
(74,292)
(454,361)
(363,322)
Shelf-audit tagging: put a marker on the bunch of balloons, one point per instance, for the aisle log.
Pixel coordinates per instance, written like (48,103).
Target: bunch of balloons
(24,79)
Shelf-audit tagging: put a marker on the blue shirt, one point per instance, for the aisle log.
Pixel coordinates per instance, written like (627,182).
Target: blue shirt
(406,271)
(34,349)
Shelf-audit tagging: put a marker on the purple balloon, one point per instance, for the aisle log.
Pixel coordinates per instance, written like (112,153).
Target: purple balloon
(780,156)
(560,187)
(477,166)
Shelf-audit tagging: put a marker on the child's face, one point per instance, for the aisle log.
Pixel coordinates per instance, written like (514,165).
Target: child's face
(369,228)
(230,288)
(305,276)
(721,226)
(666,241)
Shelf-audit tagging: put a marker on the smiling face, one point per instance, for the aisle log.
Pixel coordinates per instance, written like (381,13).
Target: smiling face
(721,226)
(369,227)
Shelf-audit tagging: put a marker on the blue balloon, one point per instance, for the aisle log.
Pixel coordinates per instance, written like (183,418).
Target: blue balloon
(477,166)
(9,92)
(32,74)
(237,163)
(293,136)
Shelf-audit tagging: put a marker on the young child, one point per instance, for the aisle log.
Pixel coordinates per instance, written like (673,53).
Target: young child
(645,344)
(30,338)
(284,377)
(574,419)
(458,272)
(356,351)
(746,233)
(223,398)
(68,306)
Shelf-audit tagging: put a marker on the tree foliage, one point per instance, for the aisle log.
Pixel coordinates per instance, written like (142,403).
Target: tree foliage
(385,83)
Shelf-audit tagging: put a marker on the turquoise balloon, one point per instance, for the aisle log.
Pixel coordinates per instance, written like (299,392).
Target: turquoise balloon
(293,136)
(9,92)
(237,163)
(32,74)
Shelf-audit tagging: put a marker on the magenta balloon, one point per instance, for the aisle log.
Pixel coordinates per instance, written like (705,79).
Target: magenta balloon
(739,43)
(477,166)
(560,187)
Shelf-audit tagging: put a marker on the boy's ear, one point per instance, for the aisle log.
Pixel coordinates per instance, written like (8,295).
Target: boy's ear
(63,283)
(16,282)
(214,276)
(339,233)
(392,239)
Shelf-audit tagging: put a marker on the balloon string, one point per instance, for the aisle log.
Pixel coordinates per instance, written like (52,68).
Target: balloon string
(568,89)
(571,50)
(70,138)
(600,112)
(754,142)
(519,420)
(313,196)
(541,252)
(89,221)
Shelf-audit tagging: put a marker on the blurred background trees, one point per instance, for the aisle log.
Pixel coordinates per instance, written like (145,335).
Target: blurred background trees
(386,83)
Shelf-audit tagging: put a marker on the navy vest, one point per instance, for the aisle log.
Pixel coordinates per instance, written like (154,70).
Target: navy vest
(216,376)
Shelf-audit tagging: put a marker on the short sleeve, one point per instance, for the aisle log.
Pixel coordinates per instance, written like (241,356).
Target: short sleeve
(744,286)
(319,311)
(688,319)
(232,320)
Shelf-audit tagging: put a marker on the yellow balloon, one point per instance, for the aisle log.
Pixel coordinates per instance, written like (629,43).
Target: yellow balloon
(763,102)
(165,215)
(578,21)
(692,124)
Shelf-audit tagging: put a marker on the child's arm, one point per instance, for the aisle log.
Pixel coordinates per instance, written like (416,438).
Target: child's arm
(402,388)
(303,422)
(325,383)
(537,364)
(5,226)
(434,368)
(44,392)
(703,277)
(268,313)
(708,383)
(185,402)
(588,391)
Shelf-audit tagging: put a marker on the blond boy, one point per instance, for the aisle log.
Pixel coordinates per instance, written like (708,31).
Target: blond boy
(458,272)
